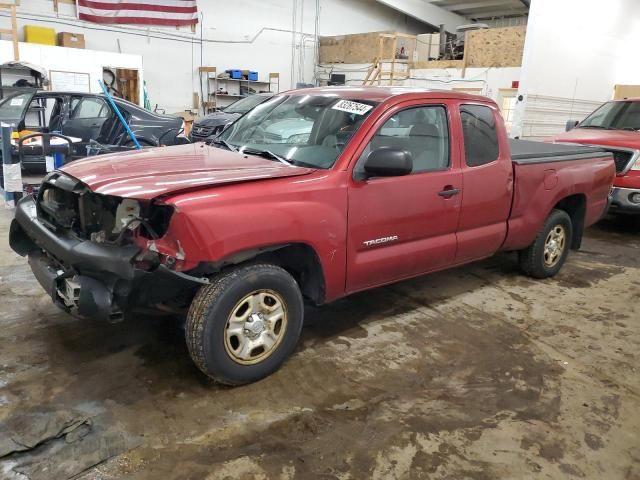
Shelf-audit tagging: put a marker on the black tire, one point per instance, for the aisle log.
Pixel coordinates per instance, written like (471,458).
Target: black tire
(532,259)
(211,309)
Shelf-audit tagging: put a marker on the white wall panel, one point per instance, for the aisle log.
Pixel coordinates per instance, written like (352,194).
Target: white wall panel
(575,50)
(547,116)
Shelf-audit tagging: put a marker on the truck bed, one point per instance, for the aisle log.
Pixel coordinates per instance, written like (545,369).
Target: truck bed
(525,152)
(548,173)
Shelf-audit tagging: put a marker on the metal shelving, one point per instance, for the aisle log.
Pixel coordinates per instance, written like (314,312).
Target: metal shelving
(211,84)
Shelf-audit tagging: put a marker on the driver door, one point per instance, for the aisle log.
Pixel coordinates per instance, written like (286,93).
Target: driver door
(13,109)
(404,226)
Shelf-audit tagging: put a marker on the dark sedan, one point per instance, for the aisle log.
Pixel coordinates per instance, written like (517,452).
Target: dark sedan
(211,125)
(88,117)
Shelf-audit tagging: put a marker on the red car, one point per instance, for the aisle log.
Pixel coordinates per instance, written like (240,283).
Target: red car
(615,126)
(386,184)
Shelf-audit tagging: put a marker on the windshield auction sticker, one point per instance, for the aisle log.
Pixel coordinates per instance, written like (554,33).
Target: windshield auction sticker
(352,107)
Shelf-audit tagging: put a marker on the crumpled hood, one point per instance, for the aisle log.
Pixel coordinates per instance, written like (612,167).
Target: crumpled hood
(216,119)
(154,172)
(606,138)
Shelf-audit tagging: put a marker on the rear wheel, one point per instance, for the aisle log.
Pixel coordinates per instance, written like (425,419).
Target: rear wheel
(245,324)
(546,255)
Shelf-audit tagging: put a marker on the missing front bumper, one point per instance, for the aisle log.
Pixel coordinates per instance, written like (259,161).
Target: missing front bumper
(89,279)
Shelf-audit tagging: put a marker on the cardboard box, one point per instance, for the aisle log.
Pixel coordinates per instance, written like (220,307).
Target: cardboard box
(71,40)
(42,35)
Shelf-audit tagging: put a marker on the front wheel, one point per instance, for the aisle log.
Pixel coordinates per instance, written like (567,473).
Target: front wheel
(546,255)
(244,325)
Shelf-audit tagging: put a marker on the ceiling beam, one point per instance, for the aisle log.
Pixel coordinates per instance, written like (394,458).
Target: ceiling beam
(498,14)
(473,5)
(427,12)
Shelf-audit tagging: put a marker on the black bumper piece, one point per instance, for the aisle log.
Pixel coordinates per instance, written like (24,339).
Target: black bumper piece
(86,278)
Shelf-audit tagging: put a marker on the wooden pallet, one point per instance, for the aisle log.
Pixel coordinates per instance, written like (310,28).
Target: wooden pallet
(386,70)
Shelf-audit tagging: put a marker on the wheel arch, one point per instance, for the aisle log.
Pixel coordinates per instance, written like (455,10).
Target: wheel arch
(299,259)
(576,207)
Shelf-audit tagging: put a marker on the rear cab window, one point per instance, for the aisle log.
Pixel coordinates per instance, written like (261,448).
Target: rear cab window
(481,144)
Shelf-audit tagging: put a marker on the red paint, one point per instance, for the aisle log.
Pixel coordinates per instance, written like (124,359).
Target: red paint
(550,179)
(145,7)
(227,203)
(147,174)
(165,22)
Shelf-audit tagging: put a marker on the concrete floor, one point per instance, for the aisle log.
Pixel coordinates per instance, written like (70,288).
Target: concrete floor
(475,373)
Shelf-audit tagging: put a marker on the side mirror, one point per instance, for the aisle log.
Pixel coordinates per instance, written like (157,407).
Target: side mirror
(571,124)
(388,162)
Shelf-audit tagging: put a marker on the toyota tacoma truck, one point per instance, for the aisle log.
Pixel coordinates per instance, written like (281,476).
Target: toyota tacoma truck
(387,184)
(615,126)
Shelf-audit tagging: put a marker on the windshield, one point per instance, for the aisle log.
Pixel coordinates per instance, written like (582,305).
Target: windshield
(302,130)
(245,104)
(13,107)
(614,116)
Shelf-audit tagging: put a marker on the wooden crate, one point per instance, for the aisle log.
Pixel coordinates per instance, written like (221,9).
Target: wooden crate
(361,47)
(495,47)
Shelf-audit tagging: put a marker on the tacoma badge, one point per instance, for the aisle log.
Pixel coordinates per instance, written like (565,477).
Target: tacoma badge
(378,241)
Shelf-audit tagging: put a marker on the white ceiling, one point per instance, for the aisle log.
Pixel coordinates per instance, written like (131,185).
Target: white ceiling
(484,9)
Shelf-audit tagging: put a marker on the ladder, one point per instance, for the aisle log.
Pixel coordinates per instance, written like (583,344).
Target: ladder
(13,31)
(388,68)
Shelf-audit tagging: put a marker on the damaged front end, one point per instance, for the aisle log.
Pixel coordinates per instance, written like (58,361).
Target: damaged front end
(97,255)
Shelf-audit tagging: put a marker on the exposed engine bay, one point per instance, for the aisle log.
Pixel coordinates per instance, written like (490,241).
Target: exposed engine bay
(66,203)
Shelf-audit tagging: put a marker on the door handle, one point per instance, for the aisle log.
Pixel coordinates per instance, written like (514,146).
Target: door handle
(449,191)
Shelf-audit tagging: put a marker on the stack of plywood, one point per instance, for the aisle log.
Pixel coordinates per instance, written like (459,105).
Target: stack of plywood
(361,47)
(495,47)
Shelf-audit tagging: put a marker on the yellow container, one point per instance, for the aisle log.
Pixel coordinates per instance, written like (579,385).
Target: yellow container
(43,35)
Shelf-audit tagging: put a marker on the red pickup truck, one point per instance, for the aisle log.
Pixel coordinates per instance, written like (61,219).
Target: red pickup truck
(314,194)
(615,126)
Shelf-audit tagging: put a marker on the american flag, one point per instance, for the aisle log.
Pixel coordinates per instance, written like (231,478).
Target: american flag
(145,12)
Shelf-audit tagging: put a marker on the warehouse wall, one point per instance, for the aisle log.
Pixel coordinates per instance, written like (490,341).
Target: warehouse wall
(575,52)
(488,80)
(244,33)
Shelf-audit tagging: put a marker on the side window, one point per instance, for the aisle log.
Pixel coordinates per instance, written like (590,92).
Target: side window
(480,136)
(422,131)
(90,108)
